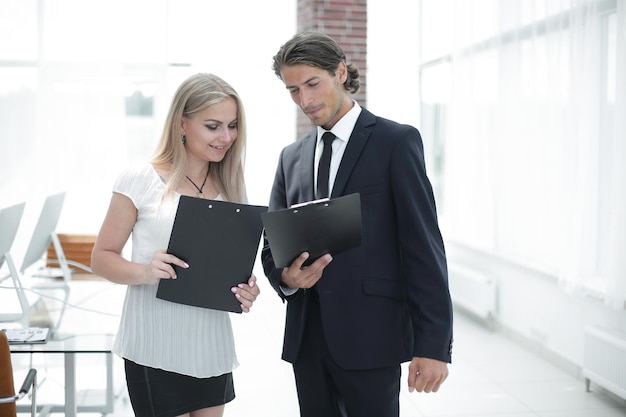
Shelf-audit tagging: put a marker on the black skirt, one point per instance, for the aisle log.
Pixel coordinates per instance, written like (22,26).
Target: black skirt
(158,393)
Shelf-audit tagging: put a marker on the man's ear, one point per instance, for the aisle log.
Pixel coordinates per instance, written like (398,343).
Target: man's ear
(342,72)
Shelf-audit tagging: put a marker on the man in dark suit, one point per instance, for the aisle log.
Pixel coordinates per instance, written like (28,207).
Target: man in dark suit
(354,318)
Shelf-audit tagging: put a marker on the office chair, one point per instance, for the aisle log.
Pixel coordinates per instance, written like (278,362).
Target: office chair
(9,222)
(8,398)
(43,235)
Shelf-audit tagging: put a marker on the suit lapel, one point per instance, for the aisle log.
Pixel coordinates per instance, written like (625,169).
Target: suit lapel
(358,139)
(307,156)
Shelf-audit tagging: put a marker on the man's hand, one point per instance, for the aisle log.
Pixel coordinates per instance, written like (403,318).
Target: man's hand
(296,276)
(426,375)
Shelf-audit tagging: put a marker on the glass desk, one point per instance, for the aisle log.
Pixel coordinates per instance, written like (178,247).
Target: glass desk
(69,346)
(85,329)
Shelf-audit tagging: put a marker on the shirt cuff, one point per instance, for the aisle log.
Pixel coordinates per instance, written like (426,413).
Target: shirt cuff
(288,291)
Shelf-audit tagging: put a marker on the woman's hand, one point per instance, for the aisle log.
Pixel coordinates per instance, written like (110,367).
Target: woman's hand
(247,293)
(161,267)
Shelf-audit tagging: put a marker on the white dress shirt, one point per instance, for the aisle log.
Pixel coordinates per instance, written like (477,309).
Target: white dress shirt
(342,131)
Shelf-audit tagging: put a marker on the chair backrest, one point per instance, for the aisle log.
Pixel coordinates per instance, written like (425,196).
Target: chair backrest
(7,386)
(9,222)
(10,218)
(45,227)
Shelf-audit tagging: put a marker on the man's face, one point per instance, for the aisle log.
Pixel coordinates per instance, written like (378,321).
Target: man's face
(319,95)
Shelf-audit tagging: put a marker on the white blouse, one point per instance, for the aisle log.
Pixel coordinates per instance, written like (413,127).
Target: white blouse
(161,334)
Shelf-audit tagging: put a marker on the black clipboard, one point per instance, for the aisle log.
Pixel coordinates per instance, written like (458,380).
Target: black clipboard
(320,227)
(219,240)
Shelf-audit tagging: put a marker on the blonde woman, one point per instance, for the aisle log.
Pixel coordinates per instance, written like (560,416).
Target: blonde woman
(178,358)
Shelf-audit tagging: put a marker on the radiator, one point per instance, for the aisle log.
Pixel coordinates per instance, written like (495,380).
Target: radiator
(473,291)
(604,360)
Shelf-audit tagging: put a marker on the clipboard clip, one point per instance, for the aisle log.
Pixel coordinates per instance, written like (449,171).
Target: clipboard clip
(306,203)
(237,210)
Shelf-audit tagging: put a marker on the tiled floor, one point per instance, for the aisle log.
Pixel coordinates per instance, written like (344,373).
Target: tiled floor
(490,376)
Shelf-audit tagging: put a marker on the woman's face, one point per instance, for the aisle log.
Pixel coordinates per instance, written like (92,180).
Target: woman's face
(211,132)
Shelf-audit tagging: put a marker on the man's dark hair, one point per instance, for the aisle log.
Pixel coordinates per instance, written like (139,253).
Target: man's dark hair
(316,50)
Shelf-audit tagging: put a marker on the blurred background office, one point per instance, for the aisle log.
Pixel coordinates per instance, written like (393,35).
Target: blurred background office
(521,105)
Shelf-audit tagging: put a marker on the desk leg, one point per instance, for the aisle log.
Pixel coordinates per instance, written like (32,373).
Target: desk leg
(109,390)
(70,385)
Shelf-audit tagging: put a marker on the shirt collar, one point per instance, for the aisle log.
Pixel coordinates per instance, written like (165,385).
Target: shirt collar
(344,127)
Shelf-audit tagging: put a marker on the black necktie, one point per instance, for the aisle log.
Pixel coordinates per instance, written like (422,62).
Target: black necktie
(324,166)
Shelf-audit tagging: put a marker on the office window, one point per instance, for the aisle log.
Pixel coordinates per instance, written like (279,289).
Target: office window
(520,98)
(18,30)
(18,107)
(83,86)
(105,31)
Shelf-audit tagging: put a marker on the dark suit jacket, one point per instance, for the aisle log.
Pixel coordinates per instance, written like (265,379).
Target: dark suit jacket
(387,300)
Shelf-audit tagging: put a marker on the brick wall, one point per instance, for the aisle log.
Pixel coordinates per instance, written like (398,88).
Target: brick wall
(346,22)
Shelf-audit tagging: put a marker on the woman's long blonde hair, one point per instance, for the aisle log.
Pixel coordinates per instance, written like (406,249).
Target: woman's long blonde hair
(194,95)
